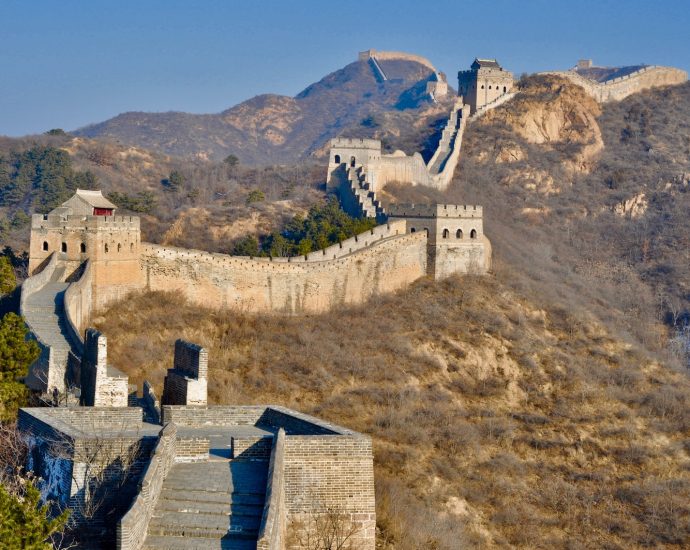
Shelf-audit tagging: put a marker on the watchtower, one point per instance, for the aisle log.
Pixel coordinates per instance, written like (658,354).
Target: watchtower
(484,83)
(83,228)
(455,236)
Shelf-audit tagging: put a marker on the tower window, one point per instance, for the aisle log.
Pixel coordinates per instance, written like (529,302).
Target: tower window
(337,159)
(119,246)
(504,89)
(446,233)
(413,230)
(64,247)
(131,247)
(473,234)
(352,161)
(106,248)
(82,248)
(45,245)
(458,234)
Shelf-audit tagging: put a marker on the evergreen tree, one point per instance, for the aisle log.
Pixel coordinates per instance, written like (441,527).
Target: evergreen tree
(8,281)
(16,355)
(24,522)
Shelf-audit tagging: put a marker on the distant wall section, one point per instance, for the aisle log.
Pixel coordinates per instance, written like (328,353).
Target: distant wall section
(619,88)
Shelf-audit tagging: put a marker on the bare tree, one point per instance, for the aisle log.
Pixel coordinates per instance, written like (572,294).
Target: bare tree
(329,528)
(101,467)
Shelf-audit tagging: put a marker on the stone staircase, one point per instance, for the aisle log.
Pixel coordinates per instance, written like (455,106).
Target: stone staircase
(370,206)
(446,144)
(214,504)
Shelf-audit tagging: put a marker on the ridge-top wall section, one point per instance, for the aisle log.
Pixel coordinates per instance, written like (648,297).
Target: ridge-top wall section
(300,285)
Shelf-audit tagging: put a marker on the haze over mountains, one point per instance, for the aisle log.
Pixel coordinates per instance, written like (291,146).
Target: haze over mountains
(273,129)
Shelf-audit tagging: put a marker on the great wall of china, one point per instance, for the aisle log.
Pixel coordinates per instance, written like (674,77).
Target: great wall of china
(619,88)
(241,477)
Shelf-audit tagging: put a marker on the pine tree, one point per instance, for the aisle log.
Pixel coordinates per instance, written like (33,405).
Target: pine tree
(8,281)
(24,522)
(16,355)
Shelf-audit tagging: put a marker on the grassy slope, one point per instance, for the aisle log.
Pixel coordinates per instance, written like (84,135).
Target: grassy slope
(494,422)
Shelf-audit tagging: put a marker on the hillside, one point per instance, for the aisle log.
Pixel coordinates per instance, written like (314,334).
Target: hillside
(546,406)
(273,129)
(495,421)
(586,203)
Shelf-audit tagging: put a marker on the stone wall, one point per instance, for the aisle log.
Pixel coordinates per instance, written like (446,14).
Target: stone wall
(296,286)
(619,88)
(383,55)
(78,302)
(101,384)
(218,415)
(343,466)
(274,519)
(186,383)
(132,528)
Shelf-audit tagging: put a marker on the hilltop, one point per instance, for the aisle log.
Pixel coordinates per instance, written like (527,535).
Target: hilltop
(271,129)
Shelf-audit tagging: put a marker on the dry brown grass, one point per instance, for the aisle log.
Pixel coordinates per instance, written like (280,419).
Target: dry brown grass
(495,422)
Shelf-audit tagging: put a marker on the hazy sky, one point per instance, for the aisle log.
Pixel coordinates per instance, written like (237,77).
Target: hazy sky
(67,63)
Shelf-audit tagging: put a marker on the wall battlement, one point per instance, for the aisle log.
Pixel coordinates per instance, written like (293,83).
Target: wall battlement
(435,211)
(48,221)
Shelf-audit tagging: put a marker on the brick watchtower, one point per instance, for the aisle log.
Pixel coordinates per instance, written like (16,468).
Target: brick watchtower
(484,83)
(85,227)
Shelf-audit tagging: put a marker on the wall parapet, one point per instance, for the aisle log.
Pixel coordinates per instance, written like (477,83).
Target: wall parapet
(274,518)
(133,526)
(77,304)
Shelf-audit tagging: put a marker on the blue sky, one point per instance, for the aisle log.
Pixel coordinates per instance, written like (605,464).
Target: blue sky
(67,63)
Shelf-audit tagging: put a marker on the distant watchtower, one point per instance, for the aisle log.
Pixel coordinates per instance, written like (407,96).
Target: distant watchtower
(484,83)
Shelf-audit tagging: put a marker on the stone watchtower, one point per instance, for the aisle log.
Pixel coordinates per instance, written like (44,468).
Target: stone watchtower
(85,227)
(484,83)
(455,236)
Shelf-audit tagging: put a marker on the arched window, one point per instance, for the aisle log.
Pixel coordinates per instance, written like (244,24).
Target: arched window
(458,234)
(352,161)
(446,233)
(504,89)
(64,247)
(473,234)
(131,247)
(45,245)
(119,246)
(411,231)
(337,159)
(106,248)
(489,86)
(82,247)
(482,86)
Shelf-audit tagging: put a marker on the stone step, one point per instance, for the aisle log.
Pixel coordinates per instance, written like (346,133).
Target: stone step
(229,542)
(203,525)
(194,496)
(166,505)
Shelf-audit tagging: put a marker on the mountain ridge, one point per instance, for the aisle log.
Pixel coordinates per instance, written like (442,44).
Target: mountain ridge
(274,129)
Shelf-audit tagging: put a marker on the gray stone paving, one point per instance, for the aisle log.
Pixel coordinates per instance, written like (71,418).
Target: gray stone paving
(214,504)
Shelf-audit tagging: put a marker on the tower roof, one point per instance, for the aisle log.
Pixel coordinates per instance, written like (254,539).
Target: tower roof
(94,198)
(485,64)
